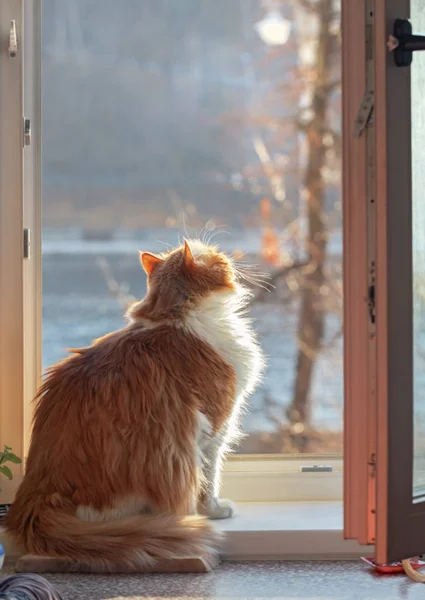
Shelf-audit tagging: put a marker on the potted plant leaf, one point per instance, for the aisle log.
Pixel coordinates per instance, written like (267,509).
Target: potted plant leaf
(6,456)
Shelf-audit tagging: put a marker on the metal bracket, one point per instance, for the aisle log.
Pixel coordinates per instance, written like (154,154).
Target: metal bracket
(364,116)
(372,464)
(13,40)
(27,243)
(27,132)
(372,303)
(316,469)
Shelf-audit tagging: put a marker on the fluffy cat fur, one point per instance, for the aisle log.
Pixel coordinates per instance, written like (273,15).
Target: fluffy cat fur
(129,433)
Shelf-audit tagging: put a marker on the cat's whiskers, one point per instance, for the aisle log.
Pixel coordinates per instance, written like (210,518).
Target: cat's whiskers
(256,279)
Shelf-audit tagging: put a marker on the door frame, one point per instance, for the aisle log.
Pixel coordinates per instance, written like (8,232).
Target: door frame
(400,521)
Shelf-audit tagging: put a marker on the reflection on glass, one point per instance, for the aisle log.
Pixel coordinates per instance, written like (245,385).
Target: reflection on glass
(162,117)
(418,219)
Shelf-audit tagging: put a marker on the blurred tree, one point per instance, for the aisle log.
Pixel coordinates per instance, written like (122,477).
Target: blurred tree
(184,102)
(315,129)
(314,159)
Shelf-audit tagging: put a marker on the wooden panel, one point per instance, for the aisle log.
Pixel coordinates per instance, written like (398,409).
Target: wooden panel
(400,522)
(31,563)
(356,387)
(11,244)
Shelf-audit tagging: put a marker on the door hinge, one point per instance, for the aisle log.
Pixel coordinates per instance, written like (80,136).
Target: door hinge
(27,243)
(27,132)
(372,465)
(371,303)
(13,40)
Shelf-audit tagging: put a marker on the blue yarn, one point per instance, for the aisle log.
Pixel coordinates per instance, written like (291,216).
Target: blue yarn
(27,586)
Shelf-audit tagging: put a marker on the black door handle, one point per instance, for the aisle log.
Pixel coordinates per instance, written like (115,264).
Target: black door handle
(403,43)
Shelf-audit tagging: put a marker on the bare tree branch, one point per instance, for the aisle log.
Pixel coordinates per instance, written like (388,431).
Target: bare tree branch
(277,274)
(119,291)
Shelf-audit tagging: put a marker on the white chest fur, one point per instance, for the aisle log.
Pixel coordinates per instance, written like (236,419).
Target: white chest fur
(217,321)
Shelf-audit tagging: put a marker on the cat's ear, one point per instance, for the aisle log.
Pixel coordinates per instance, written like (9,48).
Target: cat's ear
(188,260)
(149,261)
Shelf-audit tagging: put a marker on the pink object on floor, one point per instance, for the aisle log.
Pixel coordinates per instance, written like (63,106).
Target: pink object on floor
(395,567)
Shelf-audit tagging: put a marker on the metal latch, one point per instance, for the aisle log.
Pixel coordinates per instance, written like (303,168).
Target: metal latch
(403,43)
(371,303)
(27,132)
(364,116)
(27,243)
(316,469)
(13,40)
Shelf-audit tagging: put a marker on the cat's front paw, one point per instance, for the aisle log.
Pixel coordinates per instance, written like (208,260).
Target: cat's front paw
(219,509)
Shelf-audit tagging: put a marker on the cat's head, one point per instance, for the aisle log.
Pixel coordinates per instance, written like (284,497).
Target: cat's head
(194,267)
(181,278)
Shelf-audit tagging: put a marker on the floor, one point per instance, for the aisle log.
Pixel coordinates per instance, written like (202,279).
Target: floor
(277,581)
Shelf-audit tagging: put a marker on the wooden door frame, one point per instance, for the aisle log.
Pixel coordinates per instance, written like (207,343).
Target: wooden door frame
(359,380)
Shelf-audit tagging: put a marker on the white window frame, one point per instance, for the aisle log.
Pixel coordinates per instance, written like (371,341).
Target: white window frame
(279,478)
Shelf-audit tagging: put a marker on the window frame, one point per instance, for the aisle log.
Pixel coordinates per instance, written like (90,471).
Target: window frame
(358,219)
(12,408)
(245,477)
(261,479)
(400,516)
(32,209)
(278,478)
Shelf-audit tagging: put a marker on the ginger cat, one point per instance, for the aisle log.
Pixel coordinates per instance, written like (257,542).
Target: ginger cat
(129,433)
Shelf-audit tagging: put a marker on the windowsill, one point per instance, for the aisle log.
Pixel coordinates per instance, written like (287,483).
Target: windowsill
(285,516)
(289,531)
(280,531)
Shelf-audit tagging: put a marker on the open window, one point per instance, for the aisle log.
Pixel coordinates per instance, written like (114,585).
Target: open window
(164,119)
(385,484)
(191,108)
(170,118)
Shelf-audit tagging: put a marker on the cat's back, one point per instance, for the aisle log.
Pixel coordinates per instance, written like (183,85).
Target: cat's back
(133,375)
(114,353)
(134,360)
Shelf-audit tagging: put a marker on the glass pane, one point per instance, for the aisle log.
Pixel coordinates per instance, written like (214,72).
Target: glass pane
(418,225)
(165,117)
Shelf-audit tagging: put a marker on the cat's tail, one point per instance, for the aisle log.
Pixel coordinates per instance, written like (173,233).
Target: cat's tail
(128,543)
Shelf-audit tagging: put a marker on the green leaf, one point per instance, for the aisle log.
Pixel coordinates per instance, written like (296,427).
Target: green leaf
(3,455)
(6,471)
(13,458)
